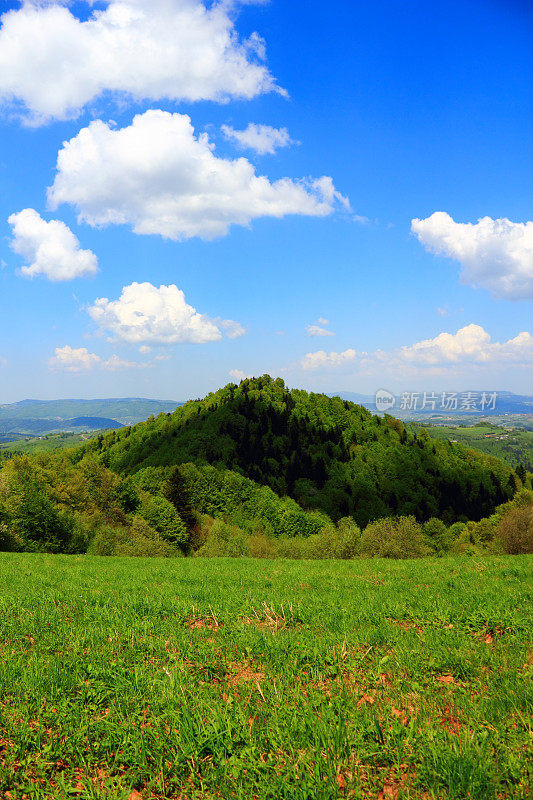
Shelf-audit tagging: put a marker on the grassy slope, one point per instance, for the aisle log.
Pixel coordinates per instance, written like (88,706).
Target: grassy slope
(241,678)
(515,448)
(48,443)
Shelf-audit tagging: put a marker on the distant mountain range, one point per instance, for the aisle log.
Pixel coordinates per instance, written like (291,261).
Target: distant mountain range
(410,407)
(36,417)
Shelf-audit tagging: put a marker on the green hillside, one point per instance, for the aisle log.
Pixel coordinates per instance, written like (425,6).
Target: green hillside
(326,453)
(510,444)
(47,443)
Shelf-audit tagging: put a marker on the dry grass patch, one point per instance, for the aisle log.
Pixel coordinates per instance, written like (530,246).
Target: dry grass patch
(243,672)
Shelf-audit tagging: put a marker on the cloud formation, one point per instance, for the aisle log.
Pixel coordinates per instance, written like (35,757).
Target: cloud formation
(322,360)
(469,346)
(158,177)
(146,315)
(52,64)
(238,375)
(318,329)
(50,248)
(262,139)
(78,359)
(495,254)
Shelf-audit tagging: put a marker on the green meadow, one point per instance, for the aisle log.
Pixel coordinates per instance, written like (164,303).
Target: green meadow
(255,679)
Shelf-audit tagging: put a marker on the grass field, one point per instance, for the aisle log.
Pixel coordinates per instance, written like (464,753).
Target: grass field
(49,443)
(240,678)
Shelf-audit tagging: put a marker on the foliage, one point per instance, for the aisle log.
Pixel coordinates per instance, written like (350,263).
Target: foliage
(326,453)
(515,530)
(438,537)
(139,540)
(226,494)
(161,515)
(308,472)
(393,537)
(222,539)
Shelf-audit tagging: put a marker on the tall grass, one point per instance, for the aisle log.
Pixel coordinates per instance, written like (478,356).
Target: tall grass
(242,678)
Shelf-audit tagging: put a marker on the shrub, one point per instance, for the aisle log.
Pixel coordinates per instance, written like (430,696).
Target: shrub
(139,540)
(515,530)
(437,536)
(9,541)
(160,514)
(224,539)
(260,546)
(292,547)
(393,537)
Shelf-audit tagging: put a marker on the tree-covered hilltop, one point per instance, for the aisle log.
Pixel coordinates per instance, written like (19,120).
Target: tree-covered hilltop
(326,453)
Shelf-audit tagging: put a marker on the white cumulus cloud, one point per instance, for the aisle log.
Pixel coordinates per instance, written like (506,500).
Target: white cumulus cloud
(495,254)
(78,359)
(239,375)
(470,347)
(471,344)
(322,360)
(145,314)
(52,64)
(157,176)
(318,329)
(261,138)
(73,359)
(50,248)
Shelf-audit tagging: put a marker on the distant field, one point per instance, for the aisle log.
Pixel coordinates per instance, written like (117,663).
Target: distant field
(49,442)
(240,678)
(512,446)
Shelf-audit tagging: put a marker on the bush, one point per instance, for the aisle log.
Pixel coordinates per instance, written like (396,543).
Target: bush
(223,539)
(292,547)
(260,546)
(9,541)
(437,536)
(160,514)
(393,537)
(515,530)
(139,540)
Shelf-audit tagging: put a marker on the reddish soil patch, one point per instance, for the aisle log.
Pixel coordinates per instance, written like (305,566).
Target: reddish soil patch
(243,672)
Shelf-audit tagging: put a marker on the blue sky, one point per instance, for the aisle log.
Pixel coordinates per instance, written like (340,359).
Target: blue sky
(411,110)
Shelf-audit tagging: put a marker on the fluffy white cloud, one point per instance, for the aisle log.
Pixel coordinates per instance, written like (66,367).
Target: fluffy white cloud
(78,359)
(261,138)
(318,329)
(157,176)
(322,360)
(470,347)
(50,248)
(53,64)
(496,254)
(239,375)
(471,344)
(145,314)
(232,329)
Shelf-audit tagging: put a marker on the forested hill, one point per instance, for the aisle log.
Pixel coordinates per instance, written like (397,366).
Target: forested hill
(326,453)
